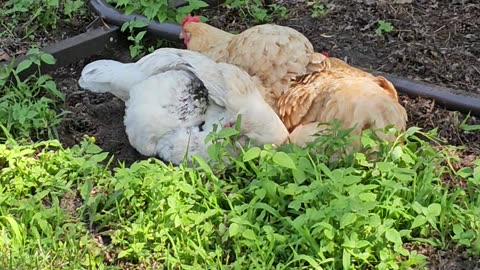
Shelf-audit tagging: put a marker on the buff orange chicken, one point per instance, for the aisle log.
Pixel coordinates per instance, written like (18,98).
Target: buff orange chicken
(272,53)
(304,87)
(358,99)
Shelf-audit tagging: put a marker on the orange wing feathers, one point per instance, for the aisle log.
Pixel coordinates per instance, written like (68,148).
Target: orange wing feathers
(324,96)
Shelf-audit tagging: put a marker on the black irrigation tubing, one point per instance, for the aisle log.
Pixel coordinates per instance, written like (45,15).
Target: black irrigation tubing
(442,95)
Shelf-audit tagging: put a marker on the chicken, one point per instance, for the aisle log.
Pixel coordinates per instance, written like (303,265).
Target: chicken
(174,97)
(302,86)
(273,53)
(359,102)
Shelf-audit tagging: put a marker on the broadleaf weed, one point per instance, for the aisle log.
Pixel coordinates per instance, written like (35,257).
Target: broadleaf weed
(262,207)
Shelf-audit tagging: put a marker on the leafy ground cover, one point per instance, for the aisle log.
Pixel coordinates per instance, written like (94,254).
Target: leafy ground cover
(286,208)
(94,203)
(28,23)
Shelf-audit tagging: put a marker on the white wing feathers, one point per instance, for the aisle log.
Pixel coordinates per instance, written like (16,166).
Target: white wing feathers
(173,97)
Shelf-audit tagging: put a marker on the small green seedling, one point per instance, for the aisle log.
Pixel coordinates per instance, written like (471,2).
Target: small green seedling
(257,10)
(383,27)
(318,9)
(466,127)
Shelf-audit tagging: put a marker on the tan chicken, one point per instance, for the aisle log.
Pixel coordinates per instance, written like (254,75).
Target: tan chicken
(355,97)
(302,86)
(272,53)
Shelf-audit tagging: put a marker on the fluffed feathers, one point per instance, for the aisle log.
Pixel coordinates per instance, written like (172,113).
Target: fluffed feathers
(174,97)
(273,53)
(342,69)
(102,76)
(359,102)
(302,86)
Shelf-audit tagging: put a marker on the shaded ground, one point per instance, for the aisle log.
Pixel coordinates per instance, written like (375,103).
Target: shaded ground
(455,259)
(14,42)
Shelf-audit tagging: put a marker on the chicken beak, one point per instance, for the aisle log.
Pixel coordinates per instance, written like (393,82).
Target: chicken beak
(181,36)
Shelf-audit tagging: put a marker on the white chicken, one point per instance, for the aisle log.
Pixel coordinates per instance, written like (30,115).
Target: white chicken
(174,97)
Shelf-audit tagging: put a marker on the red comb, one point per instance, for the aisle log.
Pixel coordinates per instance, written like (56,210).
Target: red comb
(190,18)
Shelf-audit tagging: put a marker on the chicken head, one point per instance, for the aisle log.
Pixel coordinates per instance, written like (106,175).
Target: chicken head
(185,35)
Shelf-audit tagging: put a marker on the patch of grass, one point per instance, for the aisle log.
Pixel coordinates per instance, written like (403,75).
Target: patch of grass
(257,10)
(28,17)
(467,127)
(159,10)
(263,207)
(37,182)
(27,107)
(318,8)
(136,37)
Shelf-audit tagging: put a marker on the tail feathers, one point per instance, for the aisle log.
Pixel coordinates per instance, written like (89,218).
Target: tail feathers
(107,76)
(387,86)
(378,115)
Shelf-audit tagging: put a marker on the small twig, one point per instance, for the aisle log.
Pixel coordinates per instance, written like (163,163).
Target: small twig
(432,106)
(476,69)
(8,30)
(439,29)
